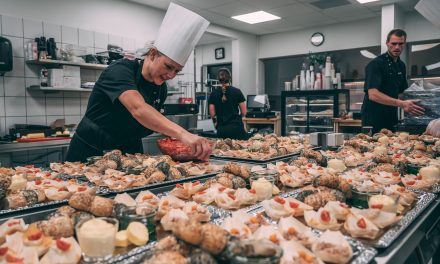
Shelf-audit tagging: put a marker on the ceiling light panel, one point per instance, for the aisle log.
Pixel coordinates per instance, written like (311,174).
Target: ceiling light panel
(256,17)
(366,1)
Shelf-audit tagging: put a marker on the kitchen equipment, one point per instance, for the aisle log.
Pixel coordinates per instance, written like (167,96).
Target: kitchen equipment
(335,139)
(5,55)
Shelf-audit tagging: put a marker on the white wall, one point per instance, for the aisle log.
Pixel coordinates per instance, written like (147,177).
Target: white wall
(337,36)
(419,29)
(110,16)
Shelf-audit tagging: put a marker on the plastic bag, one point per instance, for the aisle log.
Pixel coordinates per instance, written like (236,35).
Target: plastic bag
(433,128)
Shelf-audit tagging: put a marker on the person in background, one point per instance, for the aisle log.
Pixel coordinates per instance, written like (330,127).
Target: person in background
(125,102)
(227,107)
(385,81)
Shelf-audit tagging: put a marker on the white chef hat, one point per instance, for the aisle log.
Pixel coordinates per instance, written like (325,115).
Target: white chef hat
(180,31)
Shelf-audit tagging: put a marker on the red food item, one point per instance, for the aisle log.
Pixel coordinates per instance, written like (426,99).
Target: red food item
(38,182)
(252,191)
(361,223)
(176,149)
(377,206)
(14,222)
(309,165)
(231,196)
(62,189)
(48,174)
(325,216)
(63,245)
(179,185)
(418,177)
(221,189)
(396,173)
(58,179)
(35,236)
(279,200)
(12,259)
(293,205)
(410,182)
(29,166)
(81,188)
(3,251)
(201,192)
(196,183)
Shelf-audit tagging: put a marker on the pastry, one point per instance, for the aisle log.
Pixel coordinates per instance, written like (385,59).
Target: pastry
(11,226)
(101,206)
(81,201)
(269,233)
(172,217)
(291,228)
(196,212)
(295,253)
(383,202)
(34,237)
(245,196)
(332,247)
(57,194)
(16,200)
(56,227)
(380,218)
(321,220)
(214,238)
(147,197)
(190,232)
(274,208)
(339,209)
(66,211)
(236,227)
(167,257)
(63,250)
(124,198)
(227,200)
(295,207)
(360,226)
(238,170)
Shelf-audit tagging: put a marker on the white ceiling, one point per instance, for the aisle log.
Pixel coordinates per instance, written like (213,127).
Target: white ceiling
(295,14)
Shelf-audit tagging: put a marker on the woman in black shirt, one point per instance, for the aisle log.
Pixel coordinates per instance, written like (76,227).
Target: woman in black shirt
(227,106)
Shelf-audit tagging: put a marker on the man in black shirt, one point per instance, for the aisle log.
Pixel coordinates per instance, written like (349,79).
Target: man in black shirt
(385,80)
(125,102)
(224,106)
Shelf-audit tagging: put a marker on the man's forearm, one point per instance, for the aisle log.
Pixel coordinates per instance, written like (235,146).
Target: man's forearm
(381,98)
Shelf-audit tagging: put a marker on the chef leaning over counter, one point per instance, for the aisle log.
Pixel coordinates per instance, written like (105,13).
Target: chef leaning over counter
(385,81)
(124,103)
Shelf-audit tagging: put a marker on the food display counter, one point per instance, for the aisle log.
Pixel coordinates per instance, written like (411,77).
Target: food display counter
(295,201)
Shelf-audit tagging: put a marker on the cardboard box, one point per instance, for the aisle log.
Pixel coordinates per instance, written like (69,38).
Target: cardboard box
(71,71)
(56,78)
(72,82)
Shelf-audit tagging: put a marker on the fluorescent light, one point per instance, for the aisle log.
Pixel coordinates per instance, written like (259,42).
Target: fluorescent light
(256,17)
(366,1)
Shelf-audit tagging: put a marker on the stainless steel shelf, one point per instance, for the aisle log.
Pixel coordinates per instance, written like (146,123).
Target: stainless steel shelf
(83,65)
(57,89)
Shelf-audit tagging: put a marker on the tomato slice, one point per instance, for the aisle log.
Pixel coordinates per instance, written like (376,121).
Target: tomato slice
(35,236)
(279,200)
(3,251)
(231,196)
(63,245)
(410,182)
(293,205)
(377,206)
(12,259)
(361,223)
(38,182)
(81,188)
(252,191)
(325,216)
(396,173)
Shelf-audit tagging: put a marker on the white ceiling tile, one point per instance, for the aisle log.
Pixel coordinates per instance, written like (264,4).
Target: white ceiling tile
(357,17)
(161,4)
(205,4)
(292,10)
(266,4)
(233,9)
(347,10)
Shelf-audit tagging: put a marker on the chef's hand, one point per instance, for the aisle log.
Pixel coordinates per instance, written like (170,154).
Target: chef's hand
(201,148)
(411,107)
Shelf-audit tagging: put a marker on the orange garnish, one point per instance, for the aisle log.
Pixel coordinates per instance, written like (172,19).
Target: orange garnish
(279,200)
(291,231)
(234,231)
(293,205)
(377,206)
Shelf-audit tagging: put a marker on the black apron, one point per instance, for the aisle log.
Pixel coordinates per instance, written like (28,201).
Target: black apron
(91,140)
(233,130)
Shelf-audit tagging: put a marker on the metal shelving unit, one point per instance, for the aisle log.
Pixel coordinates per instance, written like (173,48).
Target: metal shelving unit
(312,111)
(83,65)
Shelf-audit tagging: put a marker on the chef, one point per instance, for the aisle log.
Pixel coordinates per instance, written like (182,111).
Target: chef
(385,81)
(125,102)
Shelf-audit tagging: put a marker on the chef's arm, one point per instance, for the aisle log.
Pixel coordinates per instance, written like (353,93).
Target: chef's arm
(150,118)
(212,114)
(409,106)
(243,109)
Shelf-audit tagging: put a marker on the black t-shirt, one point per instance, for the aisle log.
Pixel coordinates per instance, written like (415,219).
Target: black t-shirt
(227,112)
(106,111)
(389,77)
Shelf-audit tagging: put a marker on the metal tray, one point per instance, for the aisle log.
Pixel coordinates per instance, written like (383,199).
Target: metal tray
(105,191)
(435,189)
(361,254)
(254,161)
(391,234)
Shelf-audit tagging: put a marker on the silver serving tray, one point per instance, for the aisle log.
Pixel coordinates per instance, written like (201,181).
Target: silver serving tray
(434,189)
(361,254)
(255,161)
(387,238)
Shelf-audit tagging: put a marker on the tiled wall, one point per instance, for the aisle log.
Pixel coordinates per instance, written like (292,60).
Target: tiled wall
(19,105)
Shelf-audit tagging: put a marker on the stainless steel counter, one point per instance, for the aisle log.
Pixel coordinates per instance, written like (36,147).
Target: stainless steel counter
(409,241)
(19,146)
